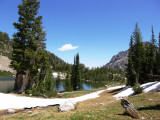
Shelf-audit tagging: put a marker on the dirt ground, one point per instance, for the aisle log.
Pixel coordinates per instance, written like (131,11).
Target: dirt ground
(105,98)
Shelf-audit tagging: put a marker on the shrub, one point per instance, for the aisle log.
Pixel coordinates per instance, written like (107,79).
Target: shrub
(36,93)
(137,89)
(28,92)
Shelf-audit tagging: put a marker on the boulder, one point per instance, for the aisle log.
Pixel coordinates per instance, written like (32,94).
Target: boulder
(66,107)
(11,111)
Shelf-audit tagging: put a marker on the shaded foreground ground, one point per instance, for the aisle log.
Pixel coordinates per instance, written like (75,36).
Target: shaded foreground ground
(103,108)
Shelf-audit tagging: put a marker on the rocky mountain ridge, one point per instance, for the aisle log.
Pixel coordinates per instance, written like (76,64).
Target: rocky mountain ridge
(4,64)
(119,60)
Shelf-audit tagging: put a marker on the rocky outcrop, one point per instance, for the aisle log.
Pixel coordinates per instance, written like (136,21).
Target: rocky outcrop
(119,60)
(4,64)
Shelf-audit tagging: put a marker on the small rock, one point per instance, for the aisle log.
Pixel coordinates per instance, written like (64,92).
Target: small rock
(150,99)
(34,114)
(11,111)
(29,111)
(101,103)
(142,118)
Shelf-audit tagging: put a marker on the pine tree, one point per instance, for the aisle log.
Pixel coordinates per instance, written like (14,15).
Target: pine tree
(73,81)
(76,75)
(67,83)
(152,55)
(139,54)
(27,43)
(130,72)
(41,78)
(136,58)
(150,59)
(58,80)
(157,61)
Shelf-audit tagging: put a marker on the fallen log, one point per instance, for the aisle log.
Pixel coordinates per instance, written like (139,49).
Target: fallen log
(129,109)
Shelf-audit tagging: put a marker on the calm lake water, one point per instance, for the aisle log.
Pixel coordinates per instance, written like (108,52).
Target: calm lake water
(87,85)
(7,84)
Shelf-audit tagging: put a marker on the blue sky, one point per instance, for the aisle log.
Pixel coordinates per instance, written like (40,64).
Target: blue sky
(96,29)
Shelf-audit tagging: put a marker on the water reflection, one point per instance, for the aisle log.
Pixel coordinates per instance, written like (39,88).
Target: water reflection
(6,84)
(87,85)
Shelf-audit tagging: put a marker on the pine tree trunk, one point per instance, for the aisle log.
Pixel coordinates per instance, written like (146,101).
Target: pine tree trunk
(25,82)
(18,81)
(137,79)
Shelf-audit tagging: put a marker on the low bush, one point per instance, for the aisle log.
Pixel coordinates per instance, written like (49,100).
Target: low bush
(28,92)
(137,89)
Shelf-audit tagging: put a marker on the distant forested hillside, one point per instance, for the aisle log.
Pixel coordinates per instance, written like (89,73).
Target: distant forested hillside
(5,44)
(104,73)
(58,64)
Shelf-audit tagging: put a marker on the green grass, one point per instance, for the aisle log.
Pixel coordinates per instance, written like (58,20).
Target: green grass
(80,93)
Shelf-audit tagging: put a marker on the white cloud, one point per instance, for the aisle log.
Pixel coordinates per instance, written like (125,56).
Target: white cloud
(67,47)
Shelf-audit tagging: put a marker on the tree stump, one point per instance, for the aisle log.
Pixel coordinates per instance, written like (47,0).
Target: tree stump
(129,108)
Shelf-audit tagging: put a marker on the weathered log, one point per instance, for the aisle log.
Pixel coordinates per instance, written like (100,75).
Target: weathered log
(129,108)
(45,96)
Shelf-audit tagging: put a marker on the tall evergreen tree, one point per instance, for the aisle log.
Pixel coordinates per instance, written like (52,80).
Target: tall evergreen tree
(67,83)
(73,82)
(137,57)
(138,54)
(27,42)
(76,75)
(157,61)
(58,81)
(130,72)
(152,55)
(41,79)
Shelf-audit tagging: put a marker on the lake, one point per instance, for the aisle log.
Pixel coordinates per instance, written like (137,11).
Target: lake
(7,84)
(86,85)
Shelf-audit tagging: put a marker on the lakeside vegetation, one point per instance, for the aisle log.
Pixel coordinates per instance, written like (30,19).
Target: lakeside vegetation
(5,74)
